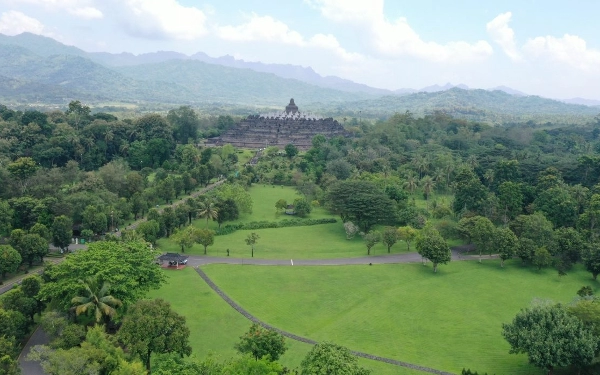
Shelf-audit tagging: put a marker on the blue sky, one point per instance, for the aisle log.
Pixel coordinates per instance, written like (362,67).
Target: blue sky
(548,48)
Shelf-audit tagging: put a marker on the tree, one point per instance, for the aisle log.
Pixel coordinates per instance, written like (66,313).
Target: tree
(350,229)
(504,243)
(280,205)
(185,123)
(10,259)
(407,234)
(510,199)
(431,245)
(371,239)
(361,202)
(96,300)
(427,183)
(21,169)
(33,246)
(327,358)
(526,249)
(42,231)
(482,234)
(149,230)
(151,326)
(186,237)
(238,193)
(542,258)
(550,337)
(251,240)
(206,237)
(227,211)
(129,267)
(389,237)
(262,342)
(591,259)
(301,207)
(208,210)
(291,150)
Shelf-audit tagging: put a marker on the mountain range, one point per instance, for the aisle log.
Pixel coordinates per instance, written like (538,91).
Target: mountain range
(37,69)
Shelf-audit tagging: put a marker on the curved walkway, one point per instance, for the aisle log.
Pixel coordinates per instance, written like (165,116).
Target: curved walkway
(292,336)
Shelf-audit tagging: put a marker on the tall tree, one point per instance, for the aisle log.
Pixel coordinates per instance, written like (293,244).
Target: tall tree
(10,259)
(62,232)
(151,326)
(186,237)
(208,209)
(591,259)
(482,234)
(550,337)
(129,267)
(185,123)
(504,243)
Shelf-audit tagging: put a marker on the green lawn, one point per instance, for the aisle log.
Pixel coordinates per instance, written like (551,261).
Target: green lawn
(215,326)
(447,321)
(308,242)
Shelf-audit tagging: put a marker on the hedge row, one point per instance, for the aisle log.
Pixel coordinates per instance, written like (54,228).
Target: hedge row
(230,228)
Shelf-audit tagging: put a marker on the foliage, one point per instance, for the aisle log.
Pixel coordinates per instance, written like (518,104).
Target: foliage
(262,342)
(431,245)
(389,237)
(371,239)
(360,202)
(62,232)
(129,267)
(205,237)
(550,337)
(302,207)
(96,300)
(186,237)
(591,259)
(151,326)
(10,259)
(350,229)
(504,243)
(330,359)
(407,234)
(238,194)
(251,240)
(542,258)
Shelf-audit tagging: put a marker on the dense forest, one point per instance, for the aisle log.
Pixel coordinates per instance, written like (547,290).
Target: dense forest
(521,189)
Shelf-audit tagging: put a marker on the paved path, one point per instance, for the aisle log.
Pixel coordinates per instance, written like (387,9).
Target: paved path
(199,260)
(38,337)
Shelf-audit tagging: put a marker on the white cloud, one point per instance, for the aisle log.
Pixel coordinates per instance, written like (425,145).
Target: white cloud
(503,35)
(86,13)
(261,28)
(268,29)
(14,23)
(78,8)
(397,38)
(164,19)
(570,49)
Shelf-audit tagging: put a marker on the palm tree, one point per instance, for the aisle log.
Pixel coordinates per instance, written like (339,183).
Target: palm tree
(411,183)
(208,210)
(427,183)
(96,299)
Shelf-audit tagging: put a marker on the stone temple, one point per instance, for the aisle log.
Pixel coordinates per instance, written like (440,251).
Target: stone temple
(280,129)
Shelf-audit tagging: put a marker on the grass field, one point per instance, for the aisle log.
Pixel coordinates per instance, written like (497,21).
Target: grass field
(447,321)
(309,242)
(215,326)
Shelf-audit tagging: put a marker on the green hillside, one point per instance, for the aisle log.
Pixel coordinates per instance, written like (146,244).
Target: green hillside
(217,83)
(477,105)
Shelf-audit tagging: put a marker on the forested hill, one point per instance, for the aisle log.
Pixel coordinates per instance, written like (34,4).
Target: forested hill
(477,105)
(177,81)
